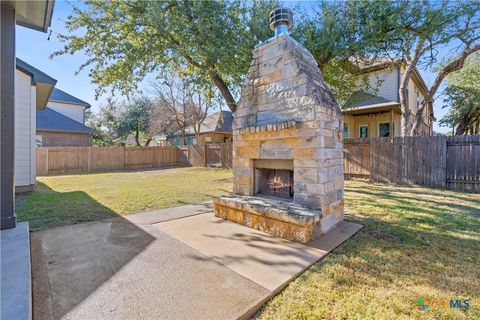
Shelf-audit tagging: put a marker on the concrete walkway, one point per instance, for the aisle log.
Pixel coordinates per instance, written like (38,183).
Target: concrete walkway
(179,263)
(16,286)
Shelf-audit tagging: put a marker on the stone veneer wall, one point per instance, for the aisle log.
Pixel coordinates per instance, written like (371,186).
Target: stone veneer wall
(286,111)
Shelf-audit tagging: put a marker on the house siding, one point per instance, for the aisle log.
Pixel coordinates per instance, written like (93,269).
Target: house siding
(383,83)
(73,111)
(64,139)
(25,105)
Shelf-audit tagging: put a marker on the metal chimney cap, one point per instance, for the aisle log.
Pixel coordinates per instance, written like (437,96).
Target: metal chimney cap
(281,16)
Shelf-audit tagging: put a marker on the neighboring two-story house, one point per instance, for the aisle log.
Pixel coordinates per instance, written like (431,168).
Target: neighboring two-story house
(62,123)
(376,111)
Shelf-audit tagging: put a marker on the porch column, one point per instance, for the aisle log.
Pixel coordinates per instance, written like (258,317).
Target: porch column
(392,133)
(7,133)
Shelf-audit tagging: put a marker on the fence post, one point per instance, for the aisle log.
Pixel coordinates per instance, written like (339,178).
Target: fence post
(151,157)
(124,158)
(205,161)
(89,162)
(223,146)
(444,163)
(46,162)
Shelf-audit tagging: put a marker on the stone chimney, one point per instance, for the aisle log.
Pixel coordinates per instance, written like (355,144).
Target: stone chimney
(287,143)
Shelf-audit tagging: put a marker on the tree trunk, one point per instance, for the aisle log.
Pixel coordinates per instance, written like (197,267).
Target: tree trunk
(197,137)
(403,90)
(184,138)
(147,143)
(137,134)
(197,132)
(224,90)
(403,94)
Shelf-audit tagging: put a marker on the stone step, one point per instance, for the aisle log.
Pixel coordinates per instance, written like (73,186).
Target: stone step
(278,217)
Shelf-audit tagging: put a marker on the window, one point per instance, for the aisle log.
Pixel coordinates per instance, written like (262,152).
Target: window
(417,95)
(364,131)
(345,130)
(384,129)
(38,140)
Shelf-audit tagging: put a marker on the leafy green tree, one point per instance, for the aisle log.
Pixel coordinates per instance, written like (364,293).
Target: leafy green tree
(104,124)
(463,98)
(125,40)
(339,35)
(136,118)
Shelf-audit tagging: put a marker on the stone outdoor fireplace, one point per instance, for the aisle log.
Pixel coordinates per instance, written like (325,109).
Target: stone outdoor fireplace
(287,147)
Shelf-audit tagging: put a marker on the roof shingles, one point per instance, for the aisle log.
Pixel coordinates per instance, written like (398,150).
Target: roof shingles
(362,99)
(50,120)
(61,96)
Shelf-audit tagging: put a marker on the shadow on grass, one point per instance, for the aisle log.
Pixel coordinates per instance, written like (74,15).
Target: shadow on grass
(71,263)
(46,208)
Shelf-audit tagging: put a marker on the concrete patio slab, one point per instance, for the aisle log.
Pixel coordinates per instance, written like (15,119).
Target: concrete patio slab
(16,286)
(118,270)
(268,261)
(178,263)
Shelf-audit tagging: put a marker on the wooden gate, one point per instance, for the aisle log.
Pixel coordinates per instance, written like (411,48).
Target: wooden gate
(463,163)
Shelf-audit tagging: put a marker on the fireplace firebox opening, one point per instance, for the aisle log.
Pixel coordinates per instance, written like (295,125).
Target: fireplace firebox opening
(274,178)
(274,183)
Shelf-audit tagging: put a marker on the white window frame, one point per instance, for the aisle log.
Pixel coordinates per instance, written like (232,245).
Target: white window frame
(389,129)
(360,130)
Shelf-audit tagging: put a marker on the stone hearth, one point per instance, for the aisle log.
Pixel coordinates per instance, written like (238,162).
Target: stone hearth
(287,121)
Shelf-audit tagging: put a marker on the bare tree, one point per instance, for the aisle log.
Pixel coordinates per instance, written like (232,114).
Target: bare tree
(161,121)
(201,103)
(175,101)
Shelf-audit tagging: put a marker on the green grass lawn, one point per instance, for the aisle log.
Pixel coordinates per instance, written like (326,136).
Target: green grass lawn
(64,200)
(416,243)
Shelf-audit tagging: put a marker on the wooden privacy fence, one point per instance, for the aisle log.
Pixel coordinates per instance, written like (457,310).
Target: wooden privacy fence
(441,162)
(65,160)
(437,161)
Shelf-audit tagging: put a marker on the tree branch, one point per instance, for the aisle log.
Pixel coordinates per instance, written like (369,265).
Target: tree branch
(451,67)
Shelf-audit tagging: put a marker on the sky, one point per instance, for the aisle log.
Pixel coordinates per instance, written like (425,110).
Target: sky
(35,48)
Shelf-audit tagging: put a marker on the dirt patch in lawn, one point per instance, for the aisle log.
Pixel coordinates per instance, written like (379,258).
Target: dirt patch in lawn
(226,180)
(381,235)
